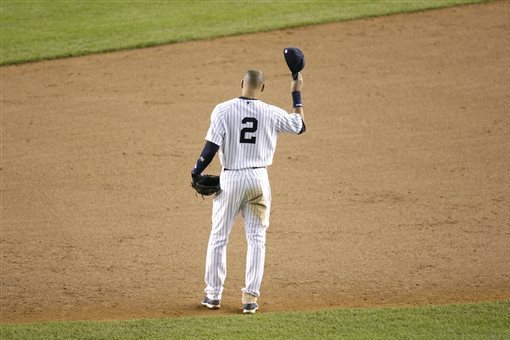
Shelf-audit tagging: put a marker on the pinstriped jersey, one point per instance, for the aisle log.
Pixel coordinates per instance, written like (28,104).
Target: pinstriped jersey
(246,131)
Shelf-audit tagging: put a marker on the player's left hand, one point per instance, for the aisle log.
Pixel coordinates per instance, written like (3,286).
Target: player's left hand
(205,185)
(195,177)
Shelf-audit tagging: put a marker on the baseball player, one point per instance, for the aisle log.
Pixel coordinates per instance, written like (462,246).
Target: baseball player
(245,130)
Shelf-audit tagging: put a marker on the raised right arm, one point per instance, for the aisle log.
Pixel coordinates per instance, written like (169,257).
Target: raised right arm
(297,104)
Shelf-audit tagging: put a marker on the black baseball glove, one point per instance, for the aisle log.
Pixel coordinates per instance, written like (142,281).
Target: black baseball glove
(206,185)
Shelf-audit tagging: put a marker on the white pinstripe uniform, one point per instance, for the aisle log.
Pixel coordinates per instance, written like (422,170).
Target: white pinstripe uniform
(246,131)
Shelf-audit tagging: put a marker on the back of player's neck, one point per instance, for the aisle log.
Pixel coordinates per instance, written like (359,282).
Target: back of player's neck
(248,94)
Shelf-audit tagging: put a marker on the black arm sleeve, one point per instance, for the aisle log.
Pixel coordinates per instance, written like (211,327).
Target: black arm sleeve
(206,157)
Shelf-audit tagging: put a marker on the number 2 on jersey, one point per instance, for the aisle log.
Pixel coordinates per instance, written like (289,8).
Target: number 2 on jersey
(249,129)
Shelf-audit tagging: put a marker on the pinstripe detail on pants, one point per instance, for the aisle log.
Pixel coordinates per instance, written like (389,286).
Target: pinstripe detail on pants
(247,192)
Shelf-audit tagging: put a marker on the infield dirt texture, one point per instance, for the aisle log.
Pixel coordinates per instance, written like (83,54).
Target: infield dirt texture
(398,193)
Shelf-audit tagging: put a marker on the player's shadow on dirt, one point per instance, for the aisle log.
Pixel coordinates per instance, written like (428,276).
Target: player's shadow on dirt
(224,310)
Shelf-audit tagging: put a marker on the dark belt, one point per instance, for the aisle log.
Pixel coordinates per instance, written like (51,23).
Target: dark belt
(255,167)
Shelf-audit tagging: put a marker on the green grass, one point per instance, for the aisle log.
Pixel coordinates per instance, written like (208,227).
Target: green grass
(473,321)
(37,30)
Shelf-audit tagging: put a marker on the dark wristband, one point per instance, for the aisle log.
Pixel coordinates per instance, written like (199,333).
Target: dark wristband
(296,99)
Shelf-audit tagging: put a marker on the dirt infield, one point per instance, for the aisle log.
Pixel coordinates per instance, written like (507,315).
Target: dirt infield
(398,194)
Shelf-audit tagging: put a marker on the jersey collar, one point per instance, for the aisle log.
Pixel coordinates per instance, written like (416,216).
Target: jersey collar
(246,98)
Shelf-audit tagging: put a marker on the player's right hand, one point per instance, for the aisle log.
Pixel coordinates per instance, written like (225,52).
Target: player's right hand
(297,85)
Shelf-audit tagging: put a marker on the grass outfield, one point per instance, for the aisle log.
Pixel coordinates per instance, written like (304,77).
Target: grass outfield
(36,30)
(474,321)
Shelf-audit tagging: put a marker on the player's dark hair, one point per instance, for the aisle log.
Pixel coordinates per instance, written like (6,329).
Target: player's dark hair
(254,78)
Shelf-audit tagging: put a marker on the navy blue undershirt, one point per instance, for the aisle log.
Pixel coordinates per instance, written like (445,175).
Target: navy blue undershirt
(205,158)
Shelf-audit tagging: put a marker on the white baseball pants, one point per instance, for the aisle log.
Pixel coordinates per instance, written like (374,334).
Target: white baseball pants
(246,191)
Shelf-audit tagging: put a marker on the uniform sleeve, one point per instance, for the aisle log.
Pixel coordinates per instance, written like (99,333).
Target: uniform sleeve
(216,131)
(290,123)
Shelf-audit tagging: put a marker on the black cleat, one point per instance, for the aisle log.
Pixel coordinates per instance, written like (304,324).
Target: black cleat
(250,308)
(211,304)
